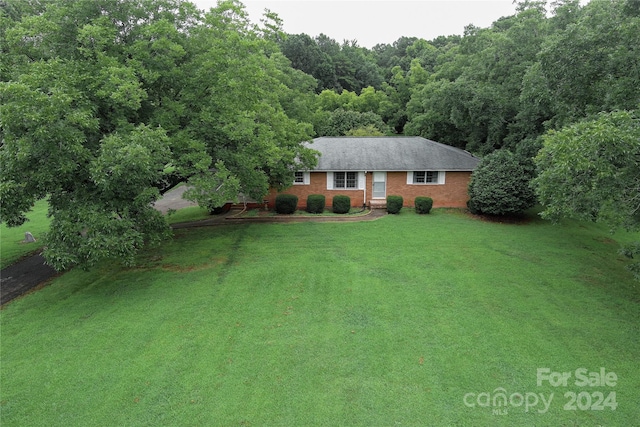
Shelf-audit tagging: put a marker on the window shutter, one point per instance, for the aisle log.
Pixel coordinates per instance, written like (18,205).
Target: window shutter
(361,181)
(329,180)
(307,178)
(441,177)
(409,177)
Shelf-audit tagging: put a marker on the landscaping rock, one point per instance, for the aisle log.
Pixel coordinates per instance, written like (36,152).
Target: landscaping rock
(28,238)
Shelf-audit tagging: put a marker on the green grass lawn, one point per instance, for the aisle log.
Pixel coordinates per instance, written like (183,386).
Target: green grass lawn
(192,213)
(383,323)
(11,246)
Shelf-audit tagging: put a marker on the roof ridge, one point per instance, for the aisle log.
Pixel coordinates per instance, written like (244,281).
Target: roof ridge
(447,146)
(372,136)
(389,153)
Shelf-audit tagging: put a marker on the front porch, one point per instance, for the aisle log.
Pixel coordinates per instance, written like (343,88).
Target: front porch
(378,203)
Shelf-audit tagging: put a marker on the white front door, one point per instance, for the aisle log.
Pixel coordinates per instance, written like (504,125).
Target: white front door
(379,185)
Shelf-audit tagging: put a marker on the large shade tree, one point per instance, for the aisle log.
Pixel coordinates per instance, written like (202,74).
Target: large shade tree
(105,102)
(591,171)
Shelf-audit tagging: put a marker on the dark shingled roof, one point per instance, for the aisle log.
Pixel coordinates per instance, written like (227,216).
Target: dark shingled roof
(389,153)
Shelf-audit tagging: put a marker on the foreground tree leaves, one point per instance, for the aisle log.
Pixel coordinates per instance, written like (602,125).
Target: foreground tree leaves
(105,103)
(591,171)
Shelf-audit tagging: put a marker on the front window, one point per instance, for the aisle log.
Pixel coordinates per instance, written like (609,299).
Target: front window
(301,178)
(425,177)
(345,180)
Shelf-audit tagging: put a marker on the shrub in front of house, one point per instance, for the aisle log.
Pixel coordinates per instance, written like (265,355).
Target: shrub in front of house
(500,185)
(394,204)
(424,205)
(341,204)
(315,203)
(472,207)
(286,203)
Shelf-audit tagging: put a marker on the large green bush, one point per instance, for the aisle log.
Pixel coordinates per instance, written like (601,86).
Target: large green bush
(341,204)
(286,203)
(423,205)
(500,185)
(472,207)
(315,203)
(394,204)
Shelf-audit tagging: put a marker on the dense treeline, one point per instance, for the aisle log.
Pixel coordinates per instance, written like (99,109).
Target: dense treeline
(542,68)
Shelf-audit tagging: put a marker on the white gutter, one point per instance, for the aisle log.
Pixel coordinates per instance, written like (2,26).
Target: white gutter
(364,200)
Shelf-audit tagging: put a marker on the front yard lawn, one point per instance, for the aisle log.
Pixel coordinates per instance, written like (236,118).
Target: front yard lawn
(12,247)
(407,320)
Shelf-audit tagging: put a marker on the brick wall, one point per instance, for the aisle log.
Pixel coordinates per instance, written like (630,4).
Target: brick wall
(453,194)
(318,185)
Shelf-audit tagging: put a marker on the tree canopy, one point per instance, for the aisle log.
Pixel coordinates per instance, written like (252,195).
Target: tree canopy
(545,67)
(591,171)
(105,103)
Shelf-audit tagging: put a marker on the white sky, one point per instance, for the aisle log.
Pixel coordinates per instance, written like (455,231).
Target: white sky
(378,21)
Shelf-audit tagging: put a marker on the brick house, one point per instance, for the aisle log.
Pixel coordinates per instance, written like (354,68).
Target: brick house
(368,169)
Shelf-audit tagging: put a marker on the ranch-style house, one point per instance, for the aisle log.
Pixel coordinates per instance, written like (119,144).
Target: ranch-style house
(368,169)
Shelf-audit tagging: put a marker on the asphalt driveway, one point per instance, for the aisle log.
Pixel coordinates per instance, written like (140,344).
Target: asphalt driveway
(172,199)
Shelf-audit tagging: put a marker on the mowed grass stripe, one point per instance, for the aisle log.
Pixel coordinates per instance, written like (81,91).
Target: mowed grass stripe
(381,323)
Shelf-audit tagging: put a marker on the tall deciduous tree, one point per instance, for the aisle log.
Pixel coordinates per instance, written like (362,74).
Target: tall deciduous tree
(591,171)
(340,122)
(305,55)
(104,102)
(594,64)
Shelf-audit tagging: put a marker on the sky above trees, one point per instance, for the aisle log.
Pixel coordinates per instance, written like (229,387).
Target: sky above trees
(378,22)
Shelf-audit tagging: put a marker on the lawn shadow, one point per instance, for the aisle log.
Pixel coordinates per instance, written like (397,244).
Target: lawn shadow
(527,217)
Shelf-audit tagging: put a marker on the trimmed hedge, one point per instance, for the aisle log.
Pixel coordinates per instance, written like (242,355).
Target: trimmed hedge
(286,203)
(423,205)
(341,204)
(394,204)
(315,203)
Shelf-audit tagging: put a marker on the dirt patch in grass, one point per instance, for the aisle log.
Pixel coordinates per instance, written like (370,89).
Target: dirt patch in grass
(606,240)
